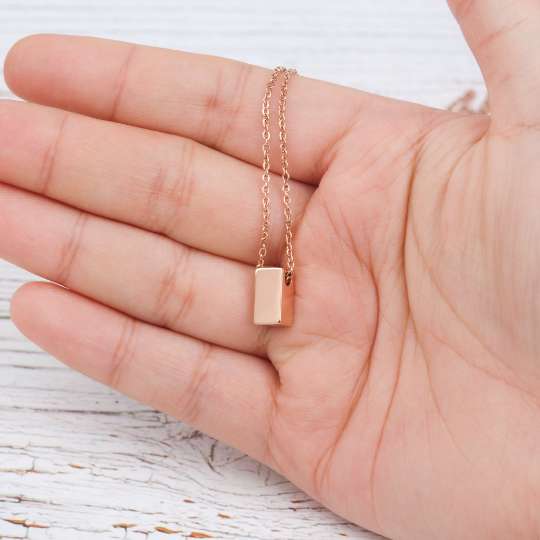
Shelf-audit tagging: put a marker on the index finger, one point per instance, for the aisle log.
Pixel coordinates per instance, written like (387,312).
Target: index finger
(214,101)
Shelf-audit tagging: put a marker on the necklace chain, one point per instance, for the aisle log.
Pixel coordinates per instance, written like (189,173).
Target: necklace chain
(284,166)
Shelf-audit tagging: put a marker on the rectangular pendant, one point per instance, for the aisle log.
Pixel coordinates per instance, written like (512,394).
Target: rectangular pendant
(274,299)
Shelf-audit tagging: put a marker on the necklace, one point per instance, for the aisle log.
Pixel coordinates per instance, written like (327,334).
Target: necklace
(274,287)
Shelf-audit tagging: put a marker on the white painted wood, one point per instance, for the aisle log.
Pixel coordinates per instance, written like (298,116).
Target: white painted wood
(78,459)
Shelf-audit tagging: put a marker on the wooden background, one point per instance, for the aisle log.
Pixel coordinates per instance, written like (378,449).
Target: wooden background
(79,461)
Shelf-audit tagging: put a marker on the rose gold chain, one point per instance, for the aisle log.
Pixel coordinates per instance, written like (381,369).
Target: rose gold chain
(284,166)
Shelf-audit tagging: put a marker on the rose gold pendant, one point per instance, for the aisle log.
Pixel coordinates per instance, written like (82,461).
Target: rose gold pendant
(274,299)
(274,287)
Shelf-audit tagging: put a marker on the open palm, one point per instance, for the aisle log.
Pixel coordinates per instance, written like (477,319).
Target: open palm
(406,395)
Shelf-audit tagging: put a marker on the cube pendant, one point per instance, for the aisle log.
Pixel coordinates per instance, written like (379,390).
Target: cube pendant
(274,299)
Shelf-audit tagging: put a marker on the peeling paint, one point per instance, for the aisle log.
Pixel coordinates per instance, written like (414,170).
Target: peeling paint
(168,531)
(26,524)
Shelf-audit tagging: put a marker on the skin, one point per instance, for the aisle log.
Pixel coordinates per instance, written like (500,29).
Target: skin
(406,395)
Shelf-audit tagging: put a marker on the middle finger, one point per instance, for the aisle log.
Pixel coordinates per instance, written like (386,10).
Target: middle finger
(156,181)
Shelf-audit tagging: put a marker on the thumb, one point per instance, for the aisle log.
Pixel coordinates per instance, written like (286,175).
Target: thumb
(504,36)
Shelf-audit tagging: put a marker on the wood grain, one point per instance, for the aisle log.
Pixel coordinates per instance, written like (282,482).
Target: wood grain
(79,461)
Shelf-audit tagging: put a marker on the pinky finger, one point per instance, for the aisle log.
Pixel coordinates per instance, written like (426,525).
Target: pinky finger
(220,392)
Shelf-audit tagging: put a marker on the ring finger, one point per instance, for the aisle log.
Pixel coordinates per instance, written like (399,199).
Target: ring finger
(140,273)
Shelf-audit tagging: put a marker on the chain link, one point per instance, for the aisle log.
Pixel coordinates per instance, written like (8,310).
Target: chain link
(284,166)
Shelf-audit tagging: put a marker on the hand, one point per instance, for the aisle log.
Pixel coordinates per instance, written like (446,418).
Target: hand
(406,395)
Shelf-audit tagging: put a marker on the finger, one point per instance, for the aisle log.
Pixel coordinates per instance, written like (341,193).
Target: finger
(504,36)
(220,392)
(160,182)
(142,274)
(214,101)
